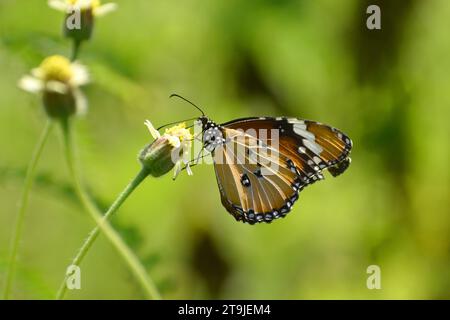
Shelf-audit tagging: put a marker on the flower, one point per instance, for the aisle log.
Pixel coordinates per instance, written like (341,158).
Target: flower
(95,6)
(58,80)
(80,14)
(170,150)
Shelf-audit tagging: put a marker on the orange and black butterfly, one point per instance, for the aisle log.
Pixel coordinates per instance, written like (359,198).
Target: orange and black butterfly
(262,163)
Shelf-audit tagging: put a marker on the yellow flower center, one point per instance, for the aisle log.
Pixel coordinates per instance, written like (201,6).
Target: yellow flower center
(93,4)
(180,132)
(56,68)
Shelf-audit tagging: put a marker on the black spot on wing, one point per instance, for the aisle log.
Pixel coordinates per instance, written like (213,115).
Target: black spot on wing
(245,181)
(258,173)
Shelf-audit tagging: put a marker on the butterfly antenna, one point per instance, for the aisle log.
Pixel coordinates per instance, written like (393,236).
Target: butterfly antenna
(177,122)
(190,102)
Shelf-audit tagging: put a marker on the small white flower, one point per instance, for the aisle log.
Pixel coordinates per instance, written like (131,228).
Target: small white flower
(94,5)
(56,73)
(59,81)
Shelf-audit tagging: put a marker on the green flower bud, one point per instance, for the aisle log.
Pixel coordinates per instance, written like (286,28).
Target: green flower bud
(167,151)
(157,157)
(80,16)
(59,105)
(79,24)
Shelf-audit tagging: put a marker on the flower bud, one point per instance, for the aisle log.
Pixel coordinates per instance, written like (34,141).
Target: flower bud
(168,151)
(79,24)
(80,16)
(59,105)
(157,157)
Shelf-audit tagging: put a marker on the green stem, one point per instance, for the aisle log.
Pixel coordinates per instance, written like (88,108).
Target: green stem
(103,225)
(75,49)
(23,204)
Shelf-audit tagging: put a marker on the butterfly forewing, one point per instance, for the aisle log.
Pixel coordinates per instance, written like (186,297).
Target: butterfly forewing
(309,144)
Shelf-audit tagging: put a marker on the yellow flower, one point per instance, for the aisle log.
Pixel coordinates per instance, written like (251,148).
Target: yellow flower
(170,150)
(58,80)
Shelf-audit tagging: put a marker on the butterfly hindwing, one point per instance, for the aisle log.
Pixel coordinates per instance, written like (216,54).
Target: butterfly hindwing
(256,183)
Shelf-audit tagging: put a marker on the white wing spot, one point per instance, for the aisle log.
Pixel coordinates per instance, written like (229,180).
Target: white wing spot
(299,126)
(314,147)
(295,121)
(317,160)
(300,129)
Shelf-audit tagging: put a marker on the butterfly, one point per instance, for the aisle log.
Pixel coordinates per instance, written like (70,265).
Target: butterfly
(262,163)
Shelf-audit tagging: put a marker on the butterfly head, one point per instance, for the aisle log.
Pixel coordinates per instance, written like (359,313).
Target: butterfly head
(206,123)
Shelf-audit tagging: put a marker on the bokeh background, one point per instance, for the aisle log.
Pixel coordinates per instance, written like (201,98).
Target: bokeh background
(389,90)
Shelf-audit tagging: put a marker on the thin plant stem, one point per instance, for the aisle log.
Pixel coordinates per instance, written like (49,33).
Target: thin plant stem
(23,204)
(103,225)
(75,49)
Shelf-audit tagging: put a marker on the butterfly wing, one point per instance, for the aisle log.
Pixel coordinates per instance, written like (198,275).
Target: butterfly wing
(307,143)
(265,162)
(256,183)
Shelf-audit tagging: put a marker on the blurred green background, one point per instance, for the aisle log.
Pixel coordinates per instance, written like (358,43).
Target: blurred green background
(389,90)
